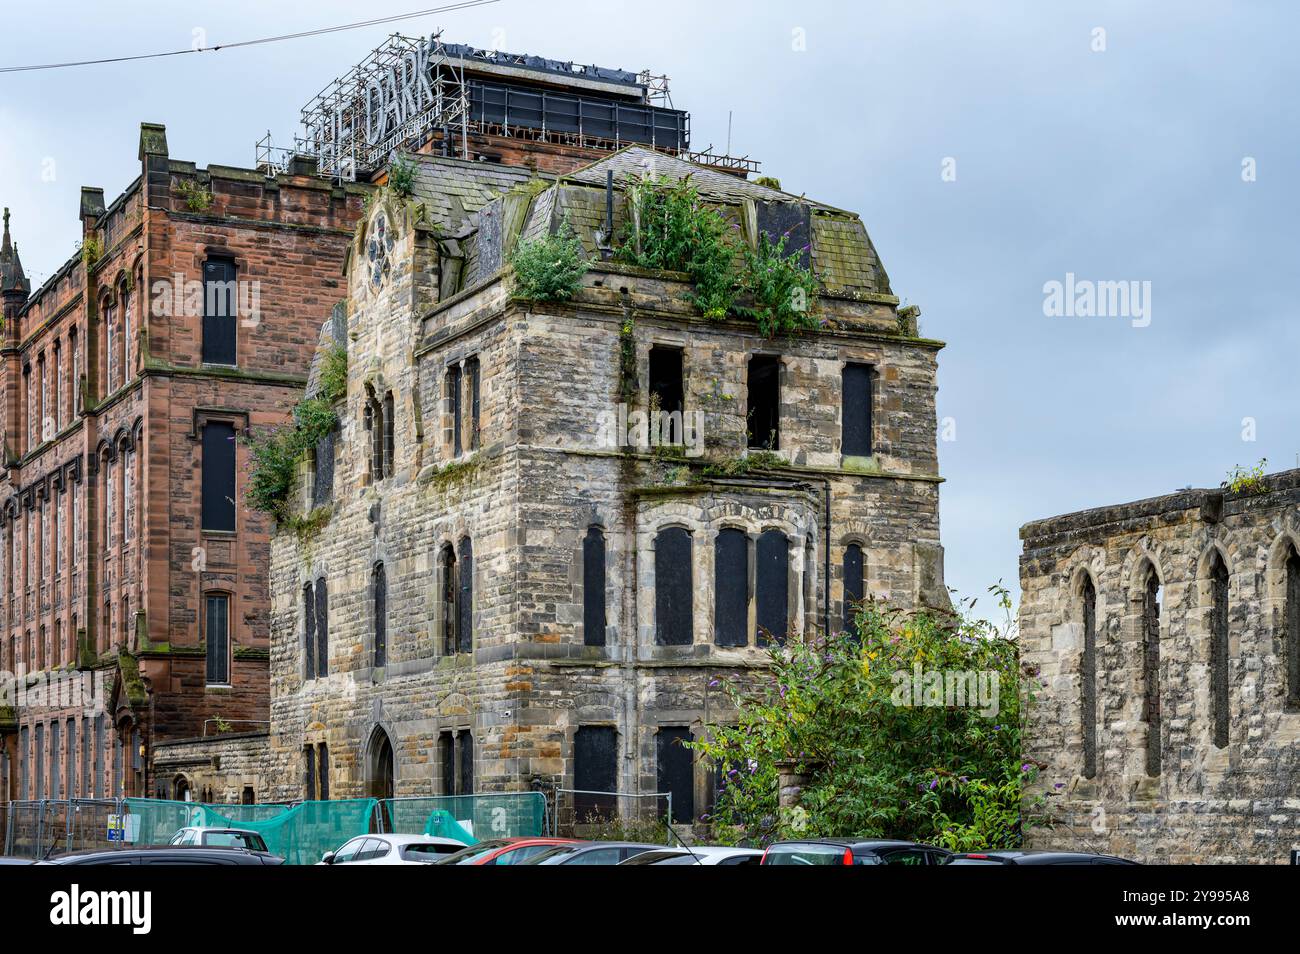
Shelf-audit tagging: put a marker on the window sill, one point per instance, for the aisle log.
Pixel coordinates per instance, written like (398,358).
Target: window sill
(218,687)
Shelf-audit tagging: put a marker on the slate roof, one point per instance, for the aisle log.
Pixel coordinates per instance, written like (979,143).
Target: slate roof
(631,164)
(452,190)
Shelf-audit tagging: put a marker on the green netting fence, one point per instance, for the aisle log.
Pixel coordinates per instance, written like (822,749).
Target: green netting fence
(468,818)
(299,833)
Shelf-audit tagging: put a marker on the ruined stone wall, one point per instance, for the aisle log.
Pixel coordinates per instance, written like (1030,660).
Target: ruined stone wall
(219,769)
(1208,804)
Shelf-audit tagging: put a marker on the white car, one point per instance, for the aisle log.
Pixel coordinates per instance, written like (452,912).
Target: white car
(392,850)
(697,855)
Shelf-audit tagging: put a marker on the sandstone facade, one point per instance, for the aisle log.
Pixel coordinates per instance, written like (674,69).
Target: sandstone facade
(1169,734)
(110,385)
(475,484)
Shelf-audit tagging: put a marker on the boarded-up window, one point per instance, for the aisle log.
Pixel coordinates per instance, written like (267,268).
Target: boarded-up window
(56,756)
(731,588)
(675,769)
(217,633)
(322,627)
(100,744)
(1219,649)
(219,311)
(595,769)
(1088,679)
(24,766)
(389,449)
(674,589)
(1291,650)
(856,411)
(218,476)
(453,408)
(447,565)
(472,385)
(465,754)
(323,770)
(380,588)
(772,585)
(854,586)
(447,761)
(465,600)
(593,587)
(70,759)
(763,409)
(40,760)
(309,772)
(1151,670)
(308,632)
(323,470)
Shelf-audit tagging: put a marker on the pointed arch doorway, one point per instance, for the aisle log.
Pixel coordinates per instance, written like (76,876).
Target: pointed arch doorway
(379,775)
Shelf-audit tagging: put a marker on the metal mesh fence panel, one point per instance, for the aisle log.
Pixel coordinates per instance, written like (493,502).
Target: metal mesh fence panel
(468,818)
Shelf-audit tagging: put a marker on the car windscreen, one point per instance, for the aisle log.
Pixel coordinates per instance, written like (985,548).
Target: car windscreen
(467,856)
(234,839)
(427,852)
(805,853)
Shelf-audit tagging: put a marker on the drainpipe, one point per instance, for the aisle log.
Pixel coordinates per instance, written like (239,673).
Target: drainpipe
(826,543)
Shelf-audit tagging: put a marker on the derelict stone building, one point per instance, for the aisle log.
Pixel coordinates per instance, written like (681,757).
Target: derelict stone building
(493,581)
(1167,635)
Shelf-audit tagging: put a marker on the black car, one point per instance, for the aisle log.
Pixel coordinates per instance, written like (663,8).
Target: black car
(591,853)
(1036,858)
(853,851)
(167,855)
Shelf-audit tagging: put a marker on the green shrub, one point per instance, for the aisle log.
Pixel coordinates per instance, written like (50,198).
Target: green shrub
(334,374)
(1242,480)
(783,291)
(401,177)
(674,230)
(877,766)
(277,450)
(549,268)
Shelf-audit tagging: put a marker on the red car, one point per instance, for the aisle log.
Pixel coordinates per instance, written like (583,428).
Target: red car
(504,851)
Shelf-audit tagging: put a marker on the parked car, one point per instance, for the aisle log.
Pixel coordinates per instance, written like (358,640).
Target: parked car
(392,850)
(853,851)
(1036,858)
(167,855)
(697,855)
(219,838)
(10,860)
(591,853)
(503,851)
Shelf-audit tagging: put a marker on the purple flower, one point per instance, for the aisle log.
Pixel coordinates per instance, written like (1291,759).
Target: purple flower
(934,783)
(714,683)
(1026,767)
(1059,785)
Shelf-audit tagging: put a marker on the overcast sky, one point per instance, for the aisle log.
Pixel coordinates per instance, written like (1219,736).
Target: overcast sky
(1115,156)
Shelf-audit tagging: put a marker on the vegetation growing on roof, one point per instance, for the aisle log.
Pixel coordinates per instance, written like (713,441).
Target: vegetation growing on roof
(91,250)
(549,268)
(197,198)
(277,450)
(401,177)
(782,291)
(1242,480)
(671,228)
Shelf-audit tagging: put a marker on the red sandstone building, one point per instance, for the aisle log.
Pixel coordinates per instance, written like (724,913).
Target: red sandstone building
(189,316)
